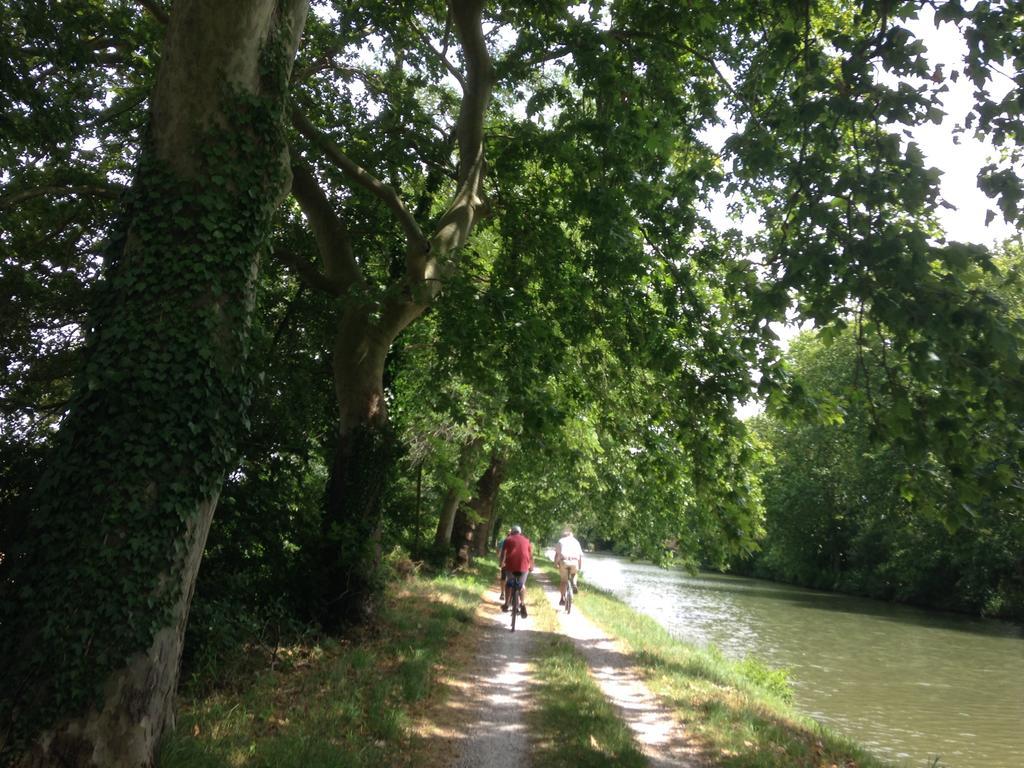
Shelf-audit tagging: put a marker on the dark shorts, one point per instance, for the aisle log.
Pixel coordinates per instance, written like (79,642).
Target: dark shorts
(517,577)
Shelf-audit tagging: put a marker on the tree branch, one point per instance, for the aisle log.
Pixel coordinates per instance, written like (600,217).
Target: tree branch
(327,62)
(118,108)
(334,243)
(10,405)
(415,239)
(308,275)
(397,312)
(282,325)
(156,9)
(476,97)
(98,190)
(511,60)
(452,69)
(424,274)
(457,223)
(447,32)
(301,75)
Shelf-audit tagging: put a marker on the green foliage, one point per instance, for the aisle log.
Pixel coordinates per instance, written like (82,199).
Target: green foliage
(844,509)
(68,140)
(774,681)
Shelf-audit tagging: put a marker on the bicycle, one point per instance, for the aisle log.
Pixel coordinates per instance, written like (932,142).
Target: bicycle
(570,589)
(515,582)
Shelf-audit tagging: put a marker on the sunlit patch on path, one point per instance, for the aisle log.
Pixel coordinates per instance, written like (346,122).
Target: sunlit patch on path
(484,718)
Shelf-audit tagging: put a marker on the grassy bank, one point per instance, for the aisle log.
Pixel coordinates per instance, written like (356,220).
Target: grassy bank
(356,702)
(572,725)
(334,703)
(740,712)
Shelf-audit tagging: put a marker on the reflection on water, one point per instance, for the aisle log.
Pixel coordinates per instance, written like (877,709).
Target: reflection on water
(909,684)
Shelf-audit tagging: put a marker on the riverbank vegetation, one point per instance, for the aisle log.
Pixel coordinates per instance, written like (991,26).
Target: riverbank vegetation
(380,275)
(843,507)
(740,712)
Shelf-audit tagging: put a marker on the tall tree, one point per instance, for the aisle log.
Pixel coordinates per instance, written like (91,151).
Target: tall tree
(374,310)
(96,590)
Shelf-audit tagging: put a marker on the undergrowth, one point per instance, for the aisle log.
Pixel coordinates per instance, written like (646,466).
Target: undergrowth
(329,702)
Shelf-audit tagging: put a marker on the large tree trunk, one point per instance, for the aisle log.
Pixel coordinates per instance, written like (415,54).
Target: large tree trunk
(485,502)
(462,535)
(446,523)
(474,520)
(456,492)
(96,593)
(364,459)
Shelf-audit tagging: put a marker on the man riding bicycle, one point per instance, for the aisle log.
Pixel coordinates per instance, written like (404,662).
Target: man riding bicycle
(569,559)
(516,563)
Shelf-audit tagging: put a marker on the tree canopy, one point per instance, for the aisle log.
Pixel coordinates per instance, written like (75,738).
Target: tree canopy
(496,290)
(849,518)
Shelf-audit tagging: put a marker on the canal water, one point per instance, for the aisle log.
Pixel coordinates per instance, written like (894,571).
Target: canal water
(908,684)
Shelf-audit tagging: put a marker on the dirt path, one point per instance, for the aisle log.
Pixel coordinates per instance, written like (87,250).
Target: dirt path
(662,740)
(492,693)
(485,717)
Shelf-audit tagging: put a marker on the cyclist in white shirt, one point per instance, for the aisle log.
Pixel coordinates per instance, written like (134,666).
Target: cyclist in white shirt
(569,559)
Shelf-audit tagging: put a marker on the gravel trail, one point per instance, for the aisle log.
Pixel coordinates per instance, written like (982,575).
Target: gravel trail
(495,693)
(662,740)
(492,692)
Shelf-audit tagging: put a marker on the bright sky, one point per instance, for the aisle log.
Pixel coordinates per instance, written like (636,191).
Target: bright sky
(959,162)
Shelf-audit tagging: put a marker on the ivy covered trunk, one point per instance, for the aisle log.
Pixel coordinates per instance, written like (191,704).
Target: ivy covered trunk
(96,592)
(364,459)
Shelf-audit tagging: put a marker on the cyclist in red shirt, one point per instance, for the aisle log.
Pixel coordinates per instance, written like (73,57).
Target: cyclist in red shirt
(517,562)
